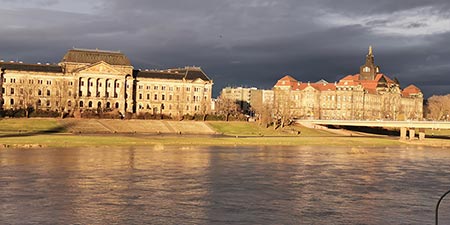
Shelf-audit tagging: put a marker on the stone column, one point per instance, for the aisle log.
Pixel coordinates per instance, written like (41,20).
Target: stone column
(421,134)
(106,88)
(412,134)
(403,133)
(86,87)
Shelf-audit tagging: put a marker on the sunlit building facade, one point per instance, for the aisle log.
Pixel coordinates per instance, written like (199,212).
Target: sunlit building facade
(367,95)
(87,79)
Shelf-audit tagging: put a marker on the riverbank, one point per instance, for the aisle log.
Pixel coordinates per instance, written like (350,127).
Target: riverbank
(38,133)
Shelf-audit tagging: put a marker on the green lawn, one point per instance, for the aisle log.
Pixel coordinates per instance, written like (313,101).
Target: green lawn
(68,140)
(22,132)
(28,125)
(444,132)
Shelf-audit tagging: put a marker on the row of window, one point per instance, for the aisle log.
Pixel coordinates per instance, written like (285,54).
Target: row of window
(31,81)
(339,98)
(47,103)
(163,88)
(21,91)
(90,104)
(162,107)
(91,84)
(98,94)
(170,98)
(39,102)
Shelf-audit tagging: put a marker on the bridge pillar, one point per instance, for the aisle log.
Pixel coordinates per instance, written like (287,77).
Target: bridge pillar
(402,133)
(421,134)
(412,134)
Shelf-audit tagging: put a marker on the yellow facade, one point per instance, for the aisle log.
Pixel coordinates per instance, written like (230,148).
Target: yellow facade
(104,80)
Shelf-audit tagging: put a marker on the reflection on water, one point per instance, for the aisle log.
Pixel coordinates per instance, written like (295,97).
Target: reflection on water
(218,185)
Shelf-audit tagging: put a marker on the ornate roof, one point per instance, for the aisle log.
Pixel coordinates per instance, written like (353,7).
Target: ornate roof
(31,67)
(287,81)
(188,73)
(95,55)
(157,75)
(411,90)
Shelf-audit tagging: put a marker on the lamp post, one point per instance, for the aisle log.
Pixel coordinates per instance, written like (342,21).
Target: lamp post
(1,87)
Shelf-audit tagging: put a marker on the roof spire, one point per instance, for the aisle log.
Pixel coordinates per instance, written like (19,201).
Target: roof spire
(370,49)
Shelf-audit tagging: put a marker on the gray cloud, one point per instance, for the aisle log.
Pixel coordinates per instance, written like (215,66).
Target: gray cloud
(251,43)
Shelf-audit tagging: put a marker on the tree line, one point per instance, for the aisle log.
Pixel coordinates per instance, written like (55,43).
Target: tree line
(437,107)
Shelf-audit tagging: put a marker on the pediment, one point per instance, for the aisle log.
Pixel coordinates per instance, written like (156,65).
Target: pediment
(98,68)
(310,88)
(198,81)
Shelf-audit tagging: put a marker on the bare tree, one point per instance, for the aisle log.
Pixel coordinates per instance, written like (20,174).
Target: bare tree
(438,107)
(227,107)
(264,113)
(61,95)
(28,95)
(282,107)
(204,107)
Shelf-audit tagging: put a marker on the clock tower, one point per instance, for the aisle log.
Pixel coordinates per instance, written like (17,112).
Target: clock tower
(369,70)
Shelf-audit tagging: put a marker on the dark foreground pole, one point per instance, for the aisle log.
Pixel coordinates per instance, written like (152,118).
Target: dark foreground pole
(437,206)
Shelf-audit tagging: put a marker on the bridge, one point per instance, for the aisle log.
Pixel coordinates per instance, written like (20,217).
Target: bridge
(402,125)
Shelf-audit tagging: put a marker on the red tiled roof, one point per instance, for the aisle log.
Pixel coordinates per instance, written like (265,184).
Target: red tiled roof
(287,81)
(302,86)
(369,85)
(351,77)
(411,89)
(324,87)
(388,80)
(350,80)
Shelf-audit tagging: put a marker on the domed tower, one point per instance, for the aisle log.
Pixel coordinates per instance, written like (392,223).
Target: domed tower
(369,70)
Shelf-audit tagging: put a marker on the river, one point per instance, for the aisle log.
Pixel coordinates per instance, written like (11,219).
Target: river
(224,185)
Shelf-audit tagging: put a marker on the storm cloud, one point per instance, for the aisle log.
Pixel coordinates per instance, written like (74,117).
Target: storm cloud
(242,43)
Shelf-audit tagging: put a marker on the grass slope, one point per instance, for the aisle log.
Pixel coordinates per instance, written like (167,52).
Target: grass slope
(253,129)
(35,132)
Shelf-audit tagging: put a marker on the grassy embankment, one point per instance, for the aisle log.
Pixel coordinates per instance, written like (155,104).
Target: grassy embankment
(50,133)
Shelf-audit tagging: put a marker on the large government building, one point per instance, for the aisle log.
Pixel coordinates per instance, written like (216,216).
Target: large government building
(369,94)
(87,79)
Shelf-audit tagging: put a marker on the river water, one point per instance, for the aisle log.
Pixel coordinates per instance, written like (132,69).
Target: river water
(224,185)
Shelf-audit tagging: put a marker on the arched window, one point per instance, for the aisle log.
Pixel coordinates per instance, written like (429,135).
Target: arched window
(90,104)
(366,69)
(12,101)
(108,105)
(39,102)
(39,92)
(81,103)
(69,103)
(117,105)
(48,92)
(99,104)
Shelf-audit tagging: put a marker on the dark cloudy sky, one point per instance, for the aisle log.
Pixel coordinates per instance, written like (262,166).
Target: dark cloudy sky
(242,42)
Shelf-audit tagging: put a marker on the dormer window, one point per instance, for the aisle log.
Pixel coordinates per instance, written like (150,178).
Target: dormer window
(366,69)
